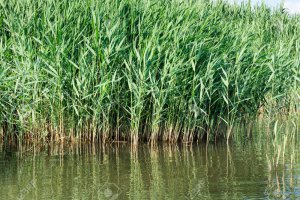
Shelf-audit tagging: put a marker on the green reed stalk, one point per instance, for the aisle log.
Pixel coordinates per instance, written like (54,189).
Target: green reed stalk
(143,70)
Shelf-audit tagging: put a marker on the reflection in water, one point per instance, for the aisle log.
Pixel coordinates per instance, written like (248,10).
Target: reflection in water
(159,172)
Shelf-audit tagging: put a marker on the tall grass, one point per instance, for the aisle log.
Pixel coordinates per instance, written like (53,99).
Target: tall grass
(143,69)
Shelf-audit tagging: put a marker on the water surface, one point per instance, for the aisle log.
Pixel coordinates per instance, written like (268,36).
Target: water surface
(162,172)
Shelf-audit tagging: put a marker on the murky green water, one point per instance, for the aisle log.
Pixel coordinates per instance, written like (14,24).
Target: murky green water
(164,172)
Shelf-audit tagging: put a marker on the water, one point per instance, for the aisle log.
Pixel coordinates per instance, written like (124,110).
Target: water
(163,172)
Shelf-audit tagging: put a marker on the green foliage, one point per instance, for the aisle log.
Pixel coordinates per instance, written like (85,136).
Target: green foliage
(150,69)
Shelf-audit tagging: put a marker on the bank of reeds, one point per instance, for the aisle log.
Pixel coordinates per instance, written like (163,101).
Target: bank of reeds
(143,69)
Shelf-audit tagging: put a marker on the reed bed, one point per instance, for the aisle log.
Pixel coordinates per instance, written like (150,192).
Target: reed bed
(143,70)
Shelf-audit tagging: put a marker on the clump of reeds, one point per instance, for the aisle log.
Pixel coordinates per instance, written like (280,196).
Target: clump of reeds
(142,69)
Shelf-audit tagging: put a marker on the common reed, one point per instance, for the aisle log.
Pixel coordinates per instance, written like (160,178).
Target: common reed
(150,70)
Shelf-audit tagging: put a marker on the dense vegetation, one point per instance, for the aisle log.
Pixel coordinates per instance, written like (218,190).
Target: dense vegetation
(143,69)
